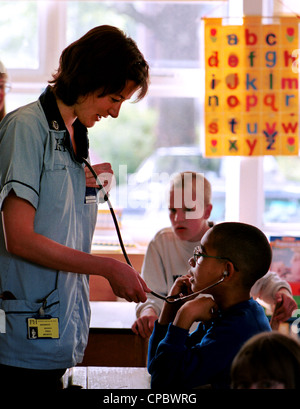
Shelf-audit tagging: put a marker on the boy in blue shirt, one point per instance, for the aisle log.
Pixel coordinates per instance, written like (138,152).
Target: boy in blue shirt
(168,253)
(237,255)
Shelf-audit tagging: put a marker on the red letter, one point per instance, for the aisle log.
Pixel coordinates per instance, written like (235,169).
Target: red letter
(232,101)
(213,127)
(289,127)
(233,60)
(269,100)
(288,57)
(251,146)
(251,38)
(213,60)
(251,101)
(232,81)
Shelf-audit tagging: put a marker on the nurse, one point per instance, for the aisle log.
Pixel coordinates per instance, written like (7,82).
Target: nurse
(49,212)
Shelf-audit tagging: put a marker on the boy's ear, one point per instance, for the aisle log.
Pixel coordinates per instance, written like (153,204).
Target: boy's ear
(207,211)
(228,271)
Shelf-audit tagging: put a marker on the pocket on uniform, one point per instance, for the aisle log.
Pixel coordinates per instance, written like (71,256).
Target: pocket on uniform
(17,348)
(25,307)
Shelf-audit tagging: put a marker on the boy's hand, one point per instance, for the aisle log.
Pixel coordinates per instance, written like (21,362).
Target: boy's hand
(182,285)
(144,325)
(201,308)
(284,306)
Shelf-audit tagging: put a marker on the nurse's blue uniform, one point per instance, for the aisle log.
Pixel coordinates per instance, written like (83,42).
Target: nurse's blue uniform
(38,164)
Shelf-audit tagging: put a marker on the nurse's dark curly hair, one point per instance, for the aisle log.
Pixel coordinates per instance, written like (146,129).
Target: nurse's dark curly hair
(103,59)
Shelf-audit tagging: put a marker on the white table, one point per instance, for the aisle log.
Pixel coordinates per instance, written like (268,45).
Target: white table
(107,377)
(112,314)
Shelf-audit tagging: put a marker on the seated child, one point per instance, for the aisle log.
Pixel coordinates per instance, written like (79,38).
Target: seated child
(169,251)
(239,254)
(269,360)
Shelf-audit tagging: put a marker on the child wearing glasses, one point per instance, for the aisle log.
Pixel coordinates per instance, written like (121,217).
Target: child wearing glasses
(169,251)
(235,256)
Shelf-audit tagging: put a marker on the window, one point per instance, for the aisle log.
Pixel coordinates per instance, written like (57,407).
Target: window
(282,174)
(23,35)
(282,190)
(170,115)
(170,35)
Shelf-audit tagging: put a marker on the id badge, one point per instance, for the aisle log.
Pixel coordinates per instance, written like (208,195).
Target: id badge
(41,327)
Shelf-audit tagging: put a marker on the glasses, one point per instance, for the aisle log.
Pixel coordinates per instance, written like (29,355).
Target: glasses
(180,297)
(197,254)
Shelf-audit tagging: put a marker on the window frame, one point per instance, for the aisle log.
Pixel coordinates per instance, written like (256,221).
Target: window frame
(244,195)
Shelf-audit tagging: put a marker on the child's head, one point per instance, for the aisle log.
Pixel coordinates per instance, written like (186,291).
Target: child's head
(246,246)
(270,360)
(190,205)
(231,247)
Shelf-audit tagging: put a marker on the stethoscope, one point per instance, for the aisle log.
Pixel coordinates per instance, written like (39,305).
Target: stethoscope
(170,298)
(106,198)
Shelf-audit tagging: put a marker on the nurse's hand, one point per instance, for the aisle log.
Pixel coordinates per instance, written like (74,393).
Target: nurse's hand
(125,281)
(105,174)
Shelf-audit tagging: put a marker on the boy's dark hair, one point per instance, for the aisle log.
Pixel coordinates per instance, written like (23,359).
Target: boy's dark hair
(246,246)
(103,59)
(269,356)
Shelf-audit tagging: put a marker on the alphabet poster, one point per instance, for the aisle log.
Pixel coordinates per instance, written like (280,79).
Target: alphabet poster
(251,87)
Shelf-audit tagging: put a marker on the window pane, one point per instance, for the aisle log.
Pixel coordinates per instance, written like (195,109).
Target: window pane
(19,34)
(14,100)
(168,33)
(145,143)
(282,189)
(282,173)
